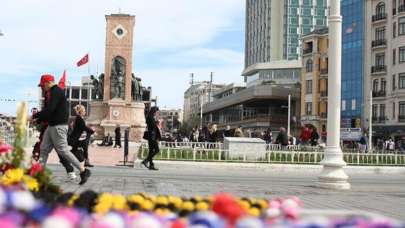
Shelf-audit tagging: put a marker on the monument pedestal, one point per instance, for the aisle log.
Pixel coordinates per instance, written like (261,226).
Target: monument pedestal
(105,116)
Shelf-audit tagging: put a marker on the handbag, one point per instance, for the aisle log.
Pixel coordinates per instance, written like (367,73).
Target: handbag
(145,135)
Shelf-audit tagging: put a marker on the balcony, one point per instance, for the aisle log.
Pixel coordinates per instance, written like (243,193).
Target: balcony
(378,69)
(379,17)
(324,94)
(394,11)
(401,118)
(324,71)
(324,115)
(307,51)
(380,93)
(379,43)
(401,8)
(379,119)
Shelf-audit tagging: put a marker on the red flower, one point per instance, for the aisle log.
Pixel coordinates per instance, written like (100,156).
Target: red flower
(227,207)
(36,168)
(5,148)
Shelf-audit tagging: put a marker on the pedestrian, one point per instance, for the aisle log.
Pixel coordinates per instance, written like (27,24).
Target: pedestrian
(363,143)
(268,136)
(126,144)
(55,135)
(314,137)
(227,132)
(78,138)
(117,136)
(153,137)
(238,132)
(282,138)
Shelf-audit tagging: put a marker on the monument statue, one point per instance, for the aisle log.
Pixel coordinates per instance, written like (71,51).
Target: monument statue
(100,88)
(118,78)
(134,88)
(139,89)
(94,82)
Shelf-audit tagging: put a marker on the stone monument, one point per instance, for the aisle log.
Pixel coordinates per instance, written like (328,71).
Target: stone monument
(115,102)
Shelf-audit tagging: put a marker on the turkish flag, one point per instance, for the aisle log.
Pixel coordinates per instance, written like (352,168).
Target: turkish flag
(62,80)
(83,61)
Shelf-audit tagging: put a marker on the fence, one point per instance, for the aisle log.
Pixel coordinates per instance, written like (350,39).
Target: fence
(215,152)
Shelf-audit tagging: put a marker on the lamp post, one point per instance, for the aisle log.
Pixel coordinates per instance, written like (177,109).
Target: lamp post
(333,175)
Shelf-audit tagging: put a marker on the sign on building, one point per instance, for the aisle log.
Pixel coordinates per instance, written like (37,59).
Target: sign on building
(350,134)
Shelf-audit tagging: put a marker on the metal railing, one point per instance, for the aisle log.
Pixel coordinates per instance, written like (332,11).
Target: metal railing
(324,71)
(274,153)
(378,68)
(378,17)
(7,135)
(377,43)
(380,93)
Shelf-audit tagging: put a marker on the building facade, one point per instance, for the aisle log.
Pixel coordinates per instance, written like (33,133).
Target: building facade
(198,94)
(314,79)
(274,28)
(353,37)
(385,67)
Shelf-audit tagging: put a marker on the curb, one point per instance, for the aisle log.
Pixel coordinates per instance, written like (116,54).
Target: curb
(266,167)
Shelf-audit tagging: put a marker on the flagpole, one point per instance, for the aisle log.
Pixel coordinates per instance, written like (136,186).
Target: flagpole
(88,64)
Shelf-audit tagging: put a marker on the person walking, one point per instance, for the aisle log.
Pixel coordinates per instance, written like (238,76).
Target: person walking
(55,135)
(153,137)
(126,145)
(238,132)
(282,137)
(117,136)
(314,137)
(78,137)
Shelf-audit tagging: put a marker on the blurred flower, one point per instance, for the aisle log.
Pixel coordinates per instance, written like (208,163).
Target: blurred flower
(12,176)
(35,168)
(31,183)
(5,148)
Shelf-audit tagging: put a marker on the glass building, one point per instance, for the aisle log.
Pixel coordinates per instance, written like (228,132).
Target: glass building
(301,20)
(352,62)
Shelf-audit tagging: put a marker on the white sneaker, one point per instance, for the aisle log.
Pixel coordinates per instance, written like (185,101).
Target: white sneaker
(72,176)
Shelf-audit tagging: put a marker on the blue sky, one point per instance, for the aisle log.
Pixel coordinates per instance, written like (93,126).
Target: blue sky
(172,39)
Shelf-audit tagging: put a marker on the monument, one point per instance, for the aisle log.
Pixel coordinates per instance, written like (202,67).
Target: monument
(117,92)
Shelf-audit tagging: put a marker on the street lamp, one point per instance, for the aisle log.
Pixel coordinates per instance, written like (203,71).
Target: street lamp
(333,175)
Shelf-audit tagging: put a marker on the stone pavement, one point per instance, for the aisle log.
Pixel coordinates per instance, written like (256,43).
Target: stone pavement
(380,193)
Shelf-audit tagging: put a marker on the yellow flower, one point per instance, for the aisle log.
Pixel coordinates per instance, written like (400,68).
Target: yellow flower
(254,212)
(136,199)
(147,205)
(202,206)
(162,200)
(31,183)
(104,203)
(12,176)
(72,200)
(188,206)
(119,203)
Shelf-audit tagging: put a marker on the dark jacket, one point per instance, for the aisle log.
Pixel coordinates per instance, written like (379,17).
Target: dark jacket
(78,128)
(117,134)
(56,111)
(153,130)
(282,139)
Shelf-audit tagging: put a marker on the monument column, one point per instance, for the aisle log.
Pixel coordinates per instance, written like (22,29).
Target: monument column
(333,175)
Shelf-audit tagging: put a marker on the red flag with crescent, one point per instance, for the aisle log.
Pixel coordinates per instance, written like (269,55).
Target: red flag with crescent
(83,61)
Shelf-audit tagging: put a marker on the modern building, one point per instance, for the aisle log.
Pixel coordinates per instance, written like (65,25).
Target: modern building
(353,36)
(80,94)
(274,29)
(198,94)
(262,104)
(171,119)
(314,79)
(384,66)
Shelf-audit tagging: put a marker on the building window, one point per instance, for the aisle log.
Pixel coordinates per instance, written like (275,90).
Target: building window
(402,111)
(393,83)
(353,104)
(380,33)
(382,110)
(375,85)
(84,93)
(375,111)
(379,59)
(393,110)
(394,30)
(75,93)
(401,54)
(394,53)
(401,81)
(343,105)
(309,87)
(383,84)
(308,108)
(309,65)
(401,26)
(380,8)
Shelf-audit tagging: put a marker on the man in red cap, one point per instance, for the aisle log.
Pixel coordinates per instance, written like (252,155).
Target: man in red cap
(55,136)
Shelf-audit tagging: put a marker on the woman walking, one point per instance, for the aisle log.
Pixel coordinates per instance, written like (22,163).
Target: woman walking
(153,137)
(77,138)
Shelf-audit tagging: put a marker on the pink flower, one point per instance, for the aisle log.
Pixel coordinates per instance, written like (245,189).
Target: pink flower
(5,148)
(35,168)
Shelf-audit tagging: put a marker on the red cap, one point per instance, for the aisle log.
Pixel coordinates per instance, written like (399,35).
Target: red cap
(46,78)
